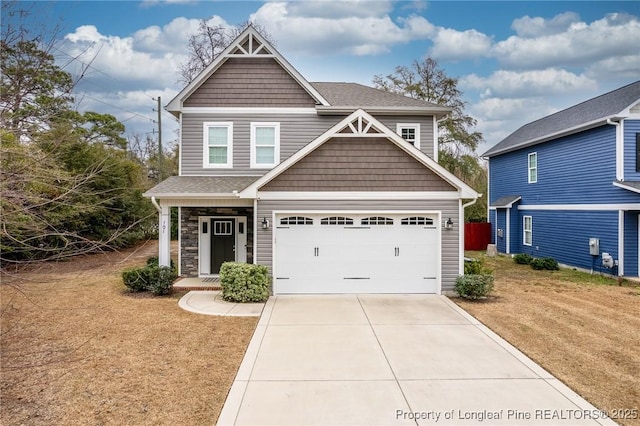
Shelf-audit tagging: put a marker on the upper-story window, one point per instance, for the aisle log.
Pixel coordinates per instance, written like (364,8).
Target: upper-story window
(410,132)
(218,145)
(533,167)
(265,144)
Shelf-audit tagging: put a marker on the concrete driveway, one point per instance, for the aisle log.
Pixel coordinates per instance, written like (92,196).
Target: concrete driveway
(390,359)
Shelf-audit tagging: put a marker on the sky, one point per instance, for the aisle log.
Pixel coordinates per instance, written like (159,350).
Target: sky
(515,61)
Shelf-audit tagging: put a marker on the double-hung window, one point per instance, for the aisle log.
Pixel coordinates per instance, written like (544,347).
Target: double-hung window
(265,144)
(410,132)
(533,167)
(527,230)
(218,145)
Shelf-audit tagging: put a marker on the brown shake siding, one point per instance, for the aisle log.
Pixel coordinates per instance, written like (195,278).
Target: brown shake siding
(358,164)
(250,82)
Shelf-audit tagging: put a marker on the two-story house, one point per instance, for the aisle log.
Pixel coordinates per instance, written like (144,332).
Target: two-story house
(333,186)
(567,186)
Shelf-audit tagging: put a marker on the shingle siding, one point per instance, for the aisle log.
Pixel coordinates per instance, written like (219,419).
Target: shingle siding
(449,240)
(358,164)
(250,82)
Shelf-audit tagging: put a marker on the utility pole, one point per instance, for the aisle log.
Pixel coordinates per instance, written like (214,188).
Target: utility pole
(160,154)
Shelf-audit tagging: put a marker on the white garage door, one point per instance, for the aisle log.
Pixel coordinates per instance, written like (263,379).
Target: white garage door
(356,253)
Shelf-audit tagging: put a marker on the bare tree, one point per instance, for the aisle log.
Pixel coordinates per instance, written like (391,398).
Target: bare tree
(208,42)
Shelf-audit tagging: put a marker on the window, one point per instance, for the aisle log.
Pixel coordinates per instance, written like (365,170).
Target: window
(410,132)
(218,145)
(377,220)
(417,220)
(533,167)
(296,220)
(265,144)
(336,220)
(527,227)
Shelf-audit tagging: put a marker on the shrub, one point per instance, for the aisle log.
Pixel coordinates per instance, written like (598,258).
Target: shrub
(522,259)
(474,286)
(135,279)
(546,263)
(473,267)
(244,283)
(156,279)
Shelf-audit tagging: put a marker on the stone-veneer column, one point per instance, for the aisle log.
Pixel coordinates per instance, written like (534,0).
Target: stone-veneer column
(190,233)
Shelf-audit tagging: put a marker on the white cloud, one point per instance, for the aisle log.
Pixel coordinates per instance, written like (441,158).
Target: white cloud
(536,27)
(581,44)
(513,84)
(623,67)
(450,44)
(171,37)
(367,32)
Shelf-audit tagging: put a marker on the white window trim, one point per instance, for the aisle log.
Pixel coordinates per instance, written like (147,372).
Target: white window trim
(529,168)
(276,150)
(205,144)
(525,230)
(415,126)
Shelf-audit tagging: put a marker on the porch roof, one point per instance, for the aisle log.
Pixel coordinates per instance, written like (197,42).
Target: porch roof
(200,186)
(629,186)
(505,202)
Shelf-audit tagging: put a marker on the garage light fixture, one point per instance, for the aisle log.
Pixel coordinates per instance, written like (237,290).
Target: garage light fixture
(265,223)
(448,224)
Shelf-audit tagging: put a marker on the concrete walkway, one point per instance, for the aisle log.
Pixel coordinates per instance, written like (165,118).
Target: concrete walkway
(209,302)
(390,359)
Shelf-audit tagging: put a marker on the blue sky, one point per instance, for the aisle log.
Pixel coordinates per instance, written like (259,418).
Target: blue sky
(515,61)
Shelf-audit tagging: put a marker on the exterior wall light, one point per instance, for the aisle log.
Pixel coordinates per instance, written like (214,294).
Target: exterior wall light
(448,224)
(265,223)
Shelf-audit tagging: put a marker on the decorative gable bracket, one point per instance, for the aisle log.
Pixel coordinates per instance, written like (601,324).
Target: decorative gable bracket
(251,46)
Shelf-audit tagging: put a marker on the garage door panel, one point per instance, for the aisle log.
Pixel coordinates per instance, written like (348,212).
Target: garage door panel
(331,256)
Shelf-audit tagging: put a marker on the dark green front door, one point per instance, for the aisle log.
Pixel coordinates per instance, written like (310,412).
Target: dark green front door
(223,240)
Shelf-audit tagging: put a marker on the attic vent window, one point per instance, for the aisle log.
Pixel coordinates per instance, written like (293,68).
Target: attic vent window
(336,220)
(410,132)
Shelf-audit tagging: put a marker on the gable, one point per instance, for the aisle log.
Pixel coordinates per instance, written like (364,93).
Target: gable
(250,82)
(358,164)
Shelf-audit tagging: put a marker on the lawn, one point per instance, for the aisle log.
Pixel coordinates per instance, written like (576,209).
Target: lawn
(584,329)
(76,348)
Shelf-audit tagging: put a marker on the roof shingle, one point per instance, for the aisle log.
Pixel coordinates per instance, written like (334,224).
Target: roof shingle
(185,186)
(592,111)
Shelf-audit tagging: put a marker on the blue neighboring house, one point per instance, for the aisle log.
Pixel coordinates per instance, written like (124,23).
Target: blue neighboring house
(567,186)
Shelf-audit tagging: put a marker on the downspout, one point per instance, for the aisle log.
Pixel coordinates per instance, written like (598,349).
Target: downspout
(619,150)
(155,204)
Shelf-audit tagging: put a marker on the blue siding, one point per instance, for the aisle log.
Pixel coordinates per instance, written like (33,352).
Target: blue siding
(631,127)
(492,221)
(565,236)
(577,169)
(501,244)
(631,244)
(515,223)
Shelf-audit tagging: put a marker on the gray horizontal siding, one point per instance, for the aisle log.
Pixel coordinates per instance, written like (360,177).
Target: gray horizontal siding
(296,131)
(449,241)
(426,129)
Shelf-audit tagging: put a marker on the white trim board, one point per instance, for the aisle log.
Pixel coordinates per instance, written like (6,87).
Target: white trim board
(581,207)
(335,195)
(248,110)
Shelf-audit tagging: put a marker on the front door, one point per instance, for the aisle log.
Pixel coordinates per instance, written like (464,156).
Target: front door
(223,243)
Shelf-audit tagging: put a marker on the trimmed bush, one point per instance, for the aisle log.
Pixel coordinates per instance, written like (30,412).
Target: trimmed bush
(474,287)
(244,283)
(473,267)
(545,263)
(156,279)
(522,259)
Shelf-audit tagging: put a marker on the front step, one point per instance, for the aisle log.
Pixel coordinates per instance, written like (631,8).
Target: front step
(188,284)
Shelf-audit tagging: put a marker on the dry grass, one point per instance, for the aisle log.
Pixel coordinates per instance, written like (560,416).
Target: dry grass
(583,329)
(78,349)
